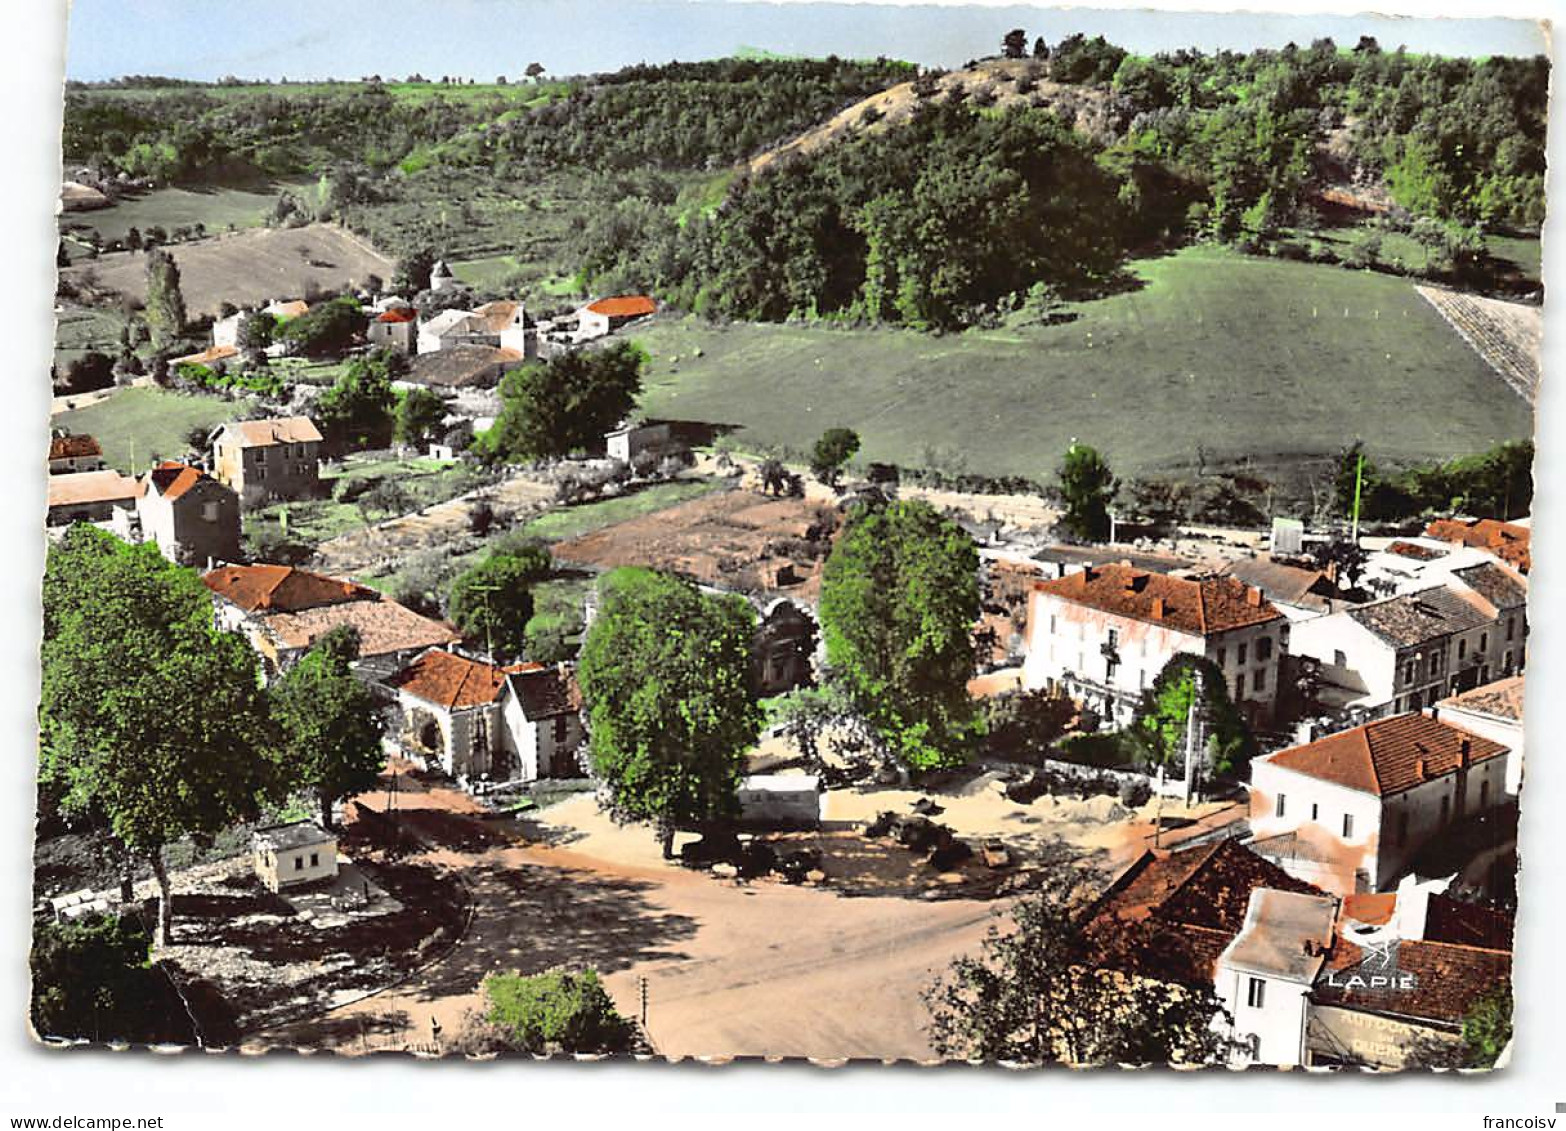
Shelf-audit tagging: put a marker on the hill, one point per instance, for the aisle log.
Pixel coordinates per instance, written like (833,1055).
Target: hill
(1279,364)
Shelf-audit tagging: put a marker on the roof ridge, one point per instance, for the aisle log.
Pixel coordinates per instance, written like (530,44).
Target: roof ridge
(1370,754)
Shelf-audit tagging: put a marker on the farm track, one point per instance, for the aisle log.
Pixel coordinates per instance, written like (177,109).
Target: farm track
(1508,335)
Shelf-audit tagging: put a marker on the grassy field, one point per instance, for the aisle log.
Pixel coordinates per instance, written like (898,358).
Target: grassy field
(80,329)
(573,522)
(1403,251)
(135,425)
(217,208)
(1243,357)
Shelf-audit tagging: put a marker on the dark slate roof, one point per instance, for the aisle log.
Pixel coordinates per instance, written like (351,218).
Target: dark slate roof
(300,834)
(1414,618)
(543,694)
(1494,584)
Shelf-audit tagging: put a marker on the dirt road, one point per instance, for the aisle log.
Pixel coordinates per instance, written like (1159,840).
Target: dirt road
(732,969)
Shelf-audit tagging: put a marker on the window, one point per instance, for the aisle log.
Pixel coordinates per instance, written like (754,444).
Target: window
(299,863)
(1264,649)
(1220,659)
(1240,656)
(560,728)
(1256,993)
(209,512)
(260,473)
(1283,800)
(1506,664)
(1348,826)
(1339,659)
(1511,627)
(1408,672)
(260,455)
(1239,687)
(1259,679)
(1114,639)
(1052,626)
(1484,642)
(1462,649)
(315,859)
(1315,809)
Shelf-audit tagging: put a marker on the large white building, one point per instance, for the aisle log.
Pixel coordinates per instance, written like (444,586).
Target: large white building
(1103,635)
(1351,811)
(1265,975)
(1406,652)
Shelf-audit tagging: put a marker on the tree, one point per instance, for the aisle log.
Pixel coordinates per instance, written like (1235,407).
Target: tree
(358,411)
(1034,996)
(92,370)
(165,309)
(1040,49)
(327,329)
(257,331)
(561,1011)
(899,597)
(534,71)
(1487,1028)
(492,601)
(665,673)
(91,980)
(1027,724)
(831,454)
(565,404)
(330,723)
(413,271)
(1014,45)
(149,715)
(1164,715)
(1086,486)
(420,417)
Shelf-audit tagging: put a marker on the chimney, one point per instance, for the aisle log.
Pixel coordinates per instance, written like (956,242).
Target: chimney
(1253,597)
(1464,753)
(1158,608)
(1422,768)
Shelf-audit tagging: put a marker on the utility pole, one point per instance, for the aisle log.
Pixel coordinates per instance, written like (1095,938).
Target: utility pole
(1359,481)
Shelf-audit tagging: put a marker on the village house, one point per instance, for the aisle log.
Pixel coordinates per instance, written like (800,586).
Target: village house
(1103,634)
(90,496)
(283,611)
(1407,565)
(396,329)
(634,441)
(193,519)
(503,324)
(1493,711)
(606,315)
(1298,592)
(462,367)
(1406,652)
(476,721)
(264,459)
(1351,811)
(293,855)
(1509,541)
(71,453)
(1305,977)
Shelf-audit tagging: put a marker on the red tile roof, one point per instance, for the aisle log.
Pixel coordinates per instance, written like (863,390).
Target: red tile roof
(1389,755)
(67,447)
(1171,914)
(384,627)
(1502,699)
(275,430)
(623,306)
(1506,540)
(171,479)
(279,588)
(1201,607)
(399,314)
(84,487)
(1448,979)
(453,681)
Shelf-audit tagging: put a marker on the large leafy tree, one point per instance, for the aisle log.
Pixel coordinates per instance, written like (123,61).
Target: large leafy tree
(359,410)
(665,673)
(325,330)
(831,454)
(1163,717)
(1034,996)
(1086,485)
(91,980)
(565,404)
(899,598)
(330,722)
(492,601)
(420,416)
(150,717)
(561,1011)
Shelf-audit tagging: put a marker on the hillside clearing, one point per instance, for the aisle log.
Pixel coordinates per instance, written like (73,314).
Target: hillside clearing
(249,267)
(1238,357)
(216,208)
(134,425)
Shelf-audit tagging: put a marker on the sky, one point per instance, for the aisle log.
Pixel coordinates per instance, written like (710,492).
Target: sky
(480,39)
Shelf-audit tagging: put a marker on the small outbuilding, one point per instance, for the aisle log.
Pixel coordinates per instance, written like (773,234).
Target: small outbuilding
(290,856)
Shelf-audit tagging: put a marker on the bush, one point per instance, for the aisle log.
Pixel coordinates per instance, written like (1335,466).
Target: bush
(1109,750)
(352,488)
(558,1012)
(1135,793)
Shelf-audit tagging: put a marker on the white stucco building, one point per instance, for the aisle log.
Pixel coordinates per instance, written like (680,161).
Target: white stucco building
(1104,633)
(1265,975)
(1351,811)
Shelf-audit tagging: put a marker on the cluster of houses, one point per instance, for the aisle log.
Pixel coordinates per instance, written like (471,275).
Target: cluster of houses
(1305,976)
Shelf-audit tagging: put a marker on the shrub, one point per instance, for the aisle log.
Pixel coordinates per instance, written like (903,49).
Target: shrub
(558,1012)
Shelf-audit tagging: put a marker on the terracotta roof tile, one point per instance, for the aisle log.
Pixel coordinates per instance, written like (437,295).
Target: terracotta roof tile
(1200,607)
(80,487)
(398,314)
(1496,584)
(1506,540)
(454,681)
(383,625)
(279,588)
(462,366)
(1448,980)
(208,356)
(171,480)
(623,306)
(275,430)
(1389,755)
(76,446)
(1502,699)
